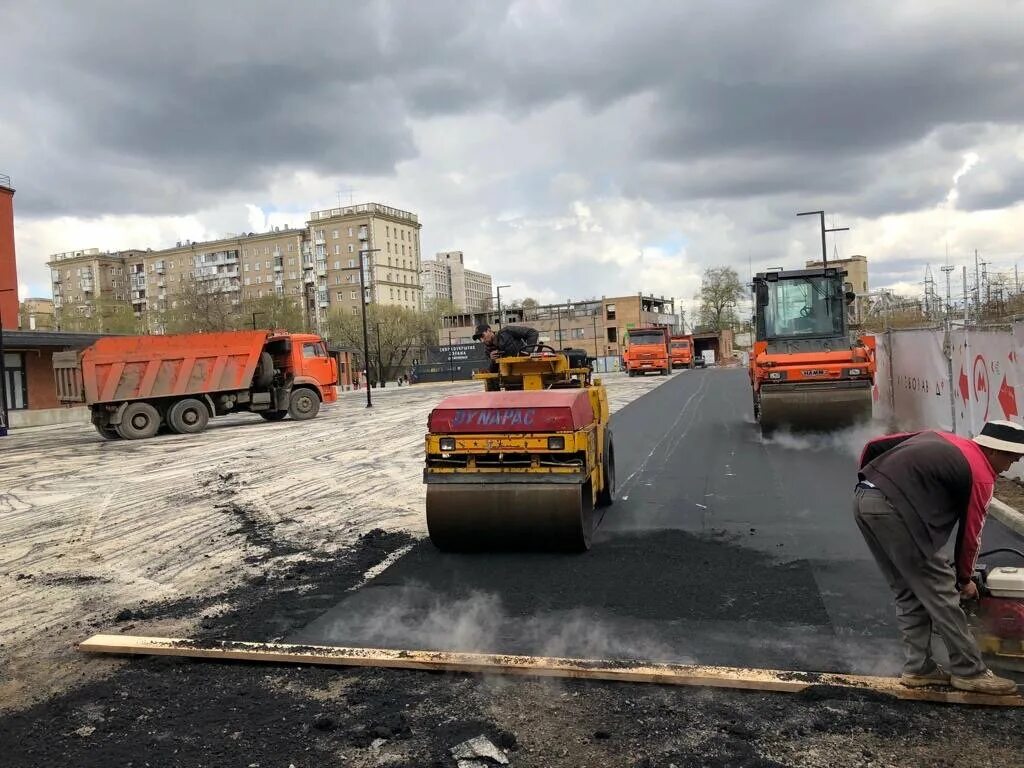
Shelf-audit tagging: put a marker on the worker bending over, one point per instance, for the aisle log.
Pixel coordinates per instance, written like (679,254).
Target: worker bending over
(914,489)
(510,341)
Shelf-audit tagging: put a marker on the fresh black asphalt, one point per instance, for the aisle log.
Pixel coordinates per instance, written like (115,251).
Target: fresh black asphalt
(721,549)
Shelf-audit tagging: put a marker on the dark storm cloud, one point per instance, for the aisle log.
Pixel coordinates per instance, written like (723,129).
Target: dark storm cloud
(164,107)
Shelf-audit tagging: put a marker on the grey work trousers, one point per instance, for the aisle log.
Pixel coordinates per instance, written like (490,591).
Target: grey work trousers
(924,586)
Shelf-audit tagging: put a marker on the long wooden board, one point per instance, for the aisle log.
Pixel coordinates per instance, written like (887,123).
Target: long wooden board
(538,666)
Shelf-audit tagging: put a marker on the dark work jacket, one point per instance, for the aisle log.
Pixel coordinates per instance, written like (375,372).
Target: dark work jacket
(513,339)
(936,481)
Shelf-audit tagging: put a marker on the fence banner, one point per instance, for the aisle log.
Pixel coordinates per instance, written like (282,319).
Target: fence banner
(985,377)
(881,409)
(920,380)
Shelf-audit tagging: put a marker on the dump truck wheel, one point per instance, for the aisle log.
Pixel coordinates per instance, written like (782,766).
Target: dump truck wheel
(273,415)
(139,421)
(110,433)
(188,416)
(607,493)
(304,404)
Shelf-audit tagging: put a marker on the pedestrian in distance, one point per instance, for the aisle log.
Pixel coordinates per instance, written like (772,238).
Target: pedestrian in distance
(914,489)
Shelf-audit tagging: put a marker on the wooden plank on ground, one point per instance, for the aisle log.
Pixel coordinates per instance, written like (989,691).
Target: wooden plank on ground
(537,666)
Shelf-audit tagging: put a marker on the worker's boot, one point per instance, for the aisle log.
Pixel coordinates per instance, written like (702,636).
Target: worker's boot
(938,676)
(986,682)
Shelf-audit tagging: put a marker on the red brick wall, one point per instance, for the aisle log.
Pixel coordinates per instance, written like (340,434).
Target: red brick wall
(8,268)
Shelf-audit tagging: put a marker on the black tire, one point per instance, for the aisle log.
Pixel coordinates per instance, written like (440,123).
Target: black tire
(303,404)
(264,372)
(273,415)
(188,416)
(110,433)
(606,495)
(138,422)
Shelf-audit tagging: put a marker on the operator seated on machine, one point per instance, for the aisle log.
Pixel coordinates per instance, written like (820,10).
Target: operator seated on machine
(510,341)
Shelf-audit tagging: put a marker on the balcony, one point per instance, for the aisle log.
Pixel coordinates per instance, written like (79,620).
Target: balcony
(278,266)
(308,278)
(364,235)
(324,303)
(321,269)
(87,286)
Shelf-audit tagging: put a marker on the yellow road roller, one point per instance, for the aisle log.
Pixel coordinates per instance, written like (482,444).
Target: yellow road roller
(527,463)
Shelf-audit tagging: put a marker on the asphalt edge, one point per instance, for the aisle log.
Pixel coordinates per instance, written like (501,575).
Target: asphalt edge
(1007,515)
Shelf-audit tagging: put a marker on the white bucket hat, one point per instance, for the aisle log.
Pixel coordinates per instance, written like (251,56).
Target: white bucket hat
(1002,436)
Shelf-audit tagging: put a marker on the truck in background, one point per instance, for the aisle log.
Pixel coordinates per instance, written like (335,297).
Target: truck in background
(133,385)
(709,357)
(648,350)
(682,351)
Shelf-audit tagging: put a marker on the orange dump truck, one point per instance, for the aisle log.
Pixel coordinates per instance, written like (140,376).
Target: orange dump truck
(135,384)
(648,351)
(682,351)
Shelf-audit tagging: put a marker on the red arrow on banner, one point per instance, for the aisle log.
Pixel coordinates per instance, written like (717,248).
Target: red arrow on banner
(1007,399)
(965,385)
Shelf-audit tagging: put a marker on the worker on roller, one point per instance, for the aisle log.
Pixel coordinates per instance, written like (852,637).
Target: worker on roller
(913,490)
(510,341)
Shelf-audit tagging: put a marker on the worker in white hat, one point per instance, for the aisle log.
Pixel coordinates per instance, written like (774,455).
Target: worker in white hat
(914,489)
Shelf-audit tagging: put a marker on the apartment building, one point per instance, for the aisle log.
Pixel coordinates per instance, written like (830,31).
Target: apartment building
(317,265)
(857,275)
(446,277)
(80,278)
(36,315)
(391,238)
(599,326)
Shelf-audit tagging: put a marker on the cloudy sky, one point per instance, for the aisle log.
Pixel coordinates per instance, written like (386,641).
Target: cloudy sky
(571,149)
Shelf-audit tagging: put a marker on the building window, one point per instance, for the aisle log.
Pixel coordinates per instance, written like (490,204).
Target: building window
(247,280)
(337,265)
(392,292)
(389,247)
(256,266)
(267,265)
(291,247)
(351,248)
(334,235)
(337,250)
(355,295)
(612,336)
(610,314)
(387,231)
(337,279)
(341,296)
(245,268)
(15,383)
(350,231)
(351,263)
(291,262)
(403,235)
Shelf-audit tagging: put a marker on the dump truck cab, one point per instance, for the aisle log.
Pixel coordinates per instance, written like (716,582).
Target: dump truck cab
(523,464)
(806,372)
(648,350)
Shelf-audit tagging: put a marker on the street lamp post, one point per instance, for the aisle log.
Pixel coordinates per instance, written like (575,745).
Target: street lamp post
(824,250)
(451,370)
(499,303)
(364,255)
(3,374)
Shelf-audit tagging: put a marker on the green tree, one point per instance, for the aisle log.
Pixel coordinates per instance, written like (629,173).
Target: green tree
(277,312)
(395,334)
(200,307)
(101,316)
(720,289)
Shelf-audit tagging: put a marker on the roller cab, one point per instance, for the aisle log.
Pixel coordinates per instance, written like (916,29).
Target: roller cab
(526,464)
(806,372)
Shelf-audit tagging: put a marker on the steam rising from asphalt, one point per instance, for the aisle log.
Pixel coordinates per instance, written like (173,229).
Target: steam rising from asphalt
(849,441)
(420,619)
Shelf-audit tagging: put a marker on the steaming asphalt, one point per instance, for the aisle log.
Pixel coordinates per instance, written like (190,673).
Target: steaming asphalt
(721,549)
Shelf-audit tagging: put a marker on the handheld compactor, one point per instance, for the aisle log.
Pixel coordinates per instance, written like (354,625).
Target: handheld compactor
(997,617)
(524,464)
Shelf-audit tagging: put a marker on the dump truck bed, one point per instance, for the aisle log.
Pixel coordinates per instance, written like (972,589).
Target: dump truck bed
(124,368)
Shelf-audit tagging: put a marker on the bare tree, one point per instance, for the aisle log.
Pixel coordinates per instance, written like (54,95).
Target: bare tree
(201,306)
(720,289)
(277,312)
(394,334)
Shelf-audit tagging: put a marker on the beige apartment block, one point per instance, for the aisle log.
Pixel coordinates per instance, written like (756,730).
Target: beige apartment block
(80,278)
(246,266)
(599,326)
(857,275)
(36,315)
(446,277)
(392,238)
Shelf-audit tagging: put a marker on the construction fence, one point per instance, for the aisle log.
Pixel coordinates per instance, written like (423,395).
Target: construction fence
(954,380)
